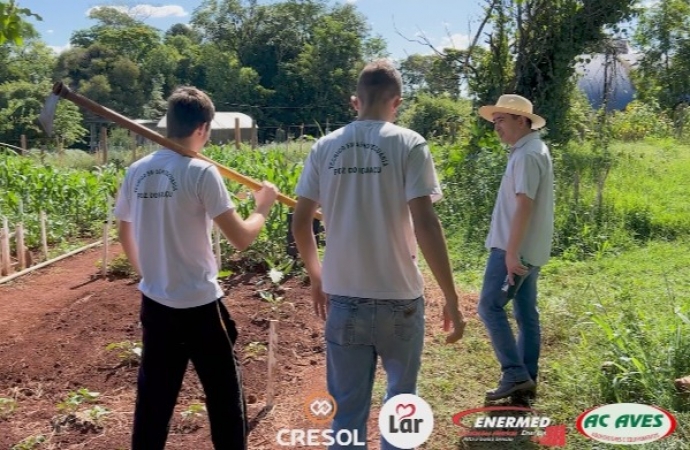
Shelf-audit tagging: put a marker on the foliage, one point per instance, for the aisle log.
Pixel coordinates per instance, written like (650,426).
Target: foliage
(435,74)
(278,166)
(662,36)
(21,103)
(128,352)
(74,201)
(75,398)
(121,267)
(637,368)
(30,443)
(639,121)
(470,178)
(96,414)
(534,48)
(437,117)
(194,412)
(13,24)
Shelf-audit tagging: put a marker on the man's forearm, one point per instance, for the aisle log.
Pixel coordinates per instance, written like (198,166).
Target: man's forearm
(306,245)
(432,242)
(126,236)
(518,226)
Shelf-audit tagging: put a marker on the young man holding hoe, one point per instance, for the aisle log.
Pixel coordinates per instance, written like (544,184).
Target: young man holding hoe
(166,207)
(375,183)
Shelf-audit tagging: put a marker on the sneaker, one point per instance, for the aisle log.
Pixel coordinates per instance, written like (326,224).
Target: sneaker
(506,389)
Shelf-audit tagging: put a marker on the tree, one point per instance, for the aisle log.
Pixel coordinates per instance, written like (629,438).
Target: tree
(13,24)
(20,105)
(663,36)
(305,52)
(32,61)
(549,37)
(119,32)
(435,74)
(182,29)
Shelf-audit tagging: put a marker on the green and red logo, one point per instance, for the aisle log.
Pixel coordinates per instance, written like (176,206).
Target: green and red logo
(626,423)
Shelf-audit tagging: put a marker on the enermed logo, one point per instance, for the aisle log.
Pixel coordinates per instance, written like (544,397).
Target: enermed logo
(505,424)
(319,408)
(406,421)
(626,423)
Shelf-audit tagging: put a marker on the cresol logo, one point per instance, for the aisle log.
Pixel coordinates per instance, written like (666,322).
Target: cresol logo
(626,423)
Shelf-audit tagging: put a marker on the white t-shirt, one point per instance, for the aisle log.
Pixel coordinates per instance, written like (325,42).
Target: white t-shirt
(363,176)
(530,172)
(171,201)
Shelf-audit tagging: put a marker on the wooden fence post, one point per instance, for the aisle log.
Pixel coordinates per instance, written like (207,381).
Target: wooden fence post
(24,146)
(106,232)
(21,253)
(238,131)
(255,137)
(301,136)
(133,138)
(272,363)
(44,235)
(5,243)
(104,144)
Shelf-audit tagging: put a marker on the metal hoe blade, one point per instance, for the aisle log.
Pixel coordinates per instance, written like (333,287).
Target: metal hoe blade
(47,116)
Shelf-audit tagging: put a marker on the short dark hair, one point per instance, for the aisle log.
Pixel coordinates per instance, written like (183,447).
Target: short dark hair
(378,82)
(188,108)
(529,121)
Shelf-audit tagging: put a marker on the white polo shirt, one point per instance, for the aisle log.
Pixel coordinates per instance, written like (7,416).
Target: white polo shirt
(363,176)
(530,172)
(171,201)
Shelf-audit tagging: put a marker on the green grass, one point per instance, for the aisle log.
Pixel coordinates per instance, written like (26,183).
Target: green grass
(650,186)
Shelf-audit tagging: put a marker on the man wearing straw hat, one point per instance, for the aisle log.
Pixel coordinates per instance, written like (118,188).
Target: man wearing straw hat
(519,241)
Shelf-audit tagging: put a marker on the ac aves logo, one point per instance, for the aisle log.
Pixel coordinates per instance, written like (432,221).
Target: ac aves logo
(626,423)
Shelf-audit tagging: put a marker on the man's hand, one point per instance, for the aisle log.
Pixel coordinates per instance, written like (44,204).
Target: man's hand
(319,299)
(451,314)
(514,267)
(266,196)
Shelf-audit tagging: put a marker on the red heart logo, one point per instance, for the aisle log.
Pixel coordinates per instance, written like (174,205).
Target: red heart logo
(405,408)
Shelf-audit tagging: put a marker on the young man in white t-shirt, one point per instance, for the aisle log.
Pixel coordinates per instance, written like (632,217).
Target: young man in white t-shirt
(519,241)
(375,183)
(166,207)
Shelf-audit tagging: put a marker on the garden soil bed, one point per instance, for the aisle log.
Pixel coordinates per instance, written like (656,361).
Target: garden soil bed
(56,323)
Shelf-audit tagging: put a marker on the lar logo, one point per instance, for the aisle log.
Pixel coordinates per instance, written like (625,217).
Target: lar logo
(320,407)
(626,423)
(406,421)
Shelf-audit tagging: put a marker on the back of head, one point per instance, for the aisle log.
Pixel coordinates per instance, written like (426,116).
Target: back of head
(188,108)
(378,83)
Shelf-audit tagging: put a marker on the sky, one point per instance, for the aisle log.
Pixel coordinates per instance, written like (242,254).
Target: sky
(444,22)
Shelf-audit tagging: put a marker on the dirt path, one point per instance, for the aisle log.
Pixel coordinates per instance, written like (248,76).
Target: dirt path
(55,325)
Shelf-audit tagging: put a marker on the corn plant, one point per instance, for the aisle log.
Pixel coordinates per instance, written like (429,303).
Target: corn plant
(75,201)
(282,168)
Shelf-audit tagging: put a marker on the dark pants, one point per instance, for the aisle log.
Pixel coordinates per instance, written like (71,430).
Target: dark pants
(171,337)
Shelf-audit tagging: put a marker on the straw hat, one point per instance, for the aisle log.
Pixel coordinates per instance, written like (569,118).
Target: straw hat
(512,104)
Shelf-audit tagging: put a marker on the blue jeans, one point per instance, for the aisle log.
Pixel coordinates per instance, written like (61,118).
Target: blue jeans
(519,360)
(358,331)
